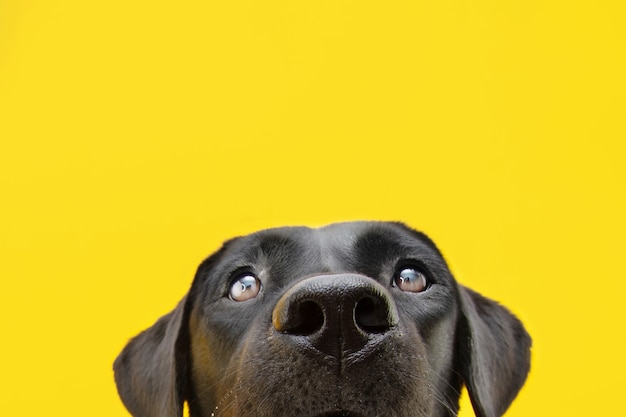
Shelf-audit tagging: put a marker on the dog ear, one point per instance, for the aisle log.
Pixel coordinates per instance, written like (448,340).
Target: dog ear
(493,353)
(150,373)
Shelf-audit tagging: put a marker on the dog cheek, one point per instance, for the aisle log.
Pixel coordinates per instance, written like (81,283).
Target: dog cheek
(208,365)
(439,341)
(433,330)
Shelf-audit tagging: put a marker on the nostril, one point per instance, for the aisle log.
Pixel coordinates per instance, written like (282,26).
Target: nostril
(309,318)
(372,316)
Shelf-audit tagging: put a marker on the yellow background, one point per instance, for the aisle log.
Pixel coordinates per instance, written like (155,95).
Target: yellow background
(138,135)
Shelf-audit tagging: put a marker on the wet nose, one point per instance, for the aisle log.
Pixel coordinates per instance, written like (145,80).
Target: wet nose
(337,314)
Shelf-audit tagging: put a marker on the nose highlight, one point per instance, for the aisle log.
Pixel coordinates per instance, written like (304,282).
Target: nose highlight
(336,314)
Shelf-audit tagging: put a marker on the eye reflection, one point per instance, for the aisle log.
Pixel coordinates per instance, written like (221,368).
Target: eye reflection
(244,288)
(411,280)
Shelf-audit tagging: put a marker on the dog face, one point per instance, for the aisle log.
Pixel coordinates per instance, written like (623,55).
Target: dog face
(353,319)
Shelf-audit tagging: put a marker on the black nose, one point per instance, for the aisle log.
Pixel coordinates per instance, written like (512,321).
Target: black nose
(337,314)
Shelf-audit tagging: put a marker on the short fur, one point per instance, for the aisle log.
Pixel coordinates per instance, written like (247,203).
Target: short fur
(328,335)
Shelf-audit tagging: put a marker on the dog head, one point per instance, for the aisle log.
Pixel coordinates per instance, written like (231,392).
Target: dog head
(353,319)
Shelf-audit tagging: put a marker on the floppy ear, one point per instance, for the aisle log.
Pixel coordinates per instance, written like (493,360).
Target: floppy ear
(150,373)
(494,353)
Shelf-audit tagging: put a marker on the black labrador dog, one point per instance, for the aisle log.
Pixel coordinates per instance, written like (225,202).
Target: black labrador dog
(353,319)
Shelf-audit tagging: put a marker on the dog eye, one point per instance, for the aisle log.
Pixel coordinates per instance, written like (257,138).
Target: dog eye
(411,280)
(244,288)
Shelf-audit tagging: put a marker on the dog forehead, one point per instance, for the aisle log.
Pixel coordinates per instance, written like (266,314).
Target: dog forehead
(333,243)
(294,252)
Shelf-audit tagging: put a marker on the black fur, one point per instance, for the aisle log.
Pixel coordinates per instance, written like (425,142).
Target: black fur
(329,334)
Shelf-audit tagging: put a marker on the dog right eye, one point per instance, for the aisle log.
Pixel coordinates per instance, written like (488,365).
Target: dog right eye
(244,288)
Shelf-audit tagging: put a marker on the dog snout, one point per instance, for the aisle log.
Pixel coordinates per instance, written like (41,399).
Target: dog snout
(338,315)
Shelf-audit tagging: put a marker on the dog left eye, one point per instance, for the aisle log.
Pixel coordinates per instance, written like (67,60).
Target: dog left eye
(411,280)
(244,288)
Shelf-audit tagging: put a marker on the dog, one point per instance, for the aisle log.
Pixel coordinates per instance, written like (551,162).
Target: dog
(359,319)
